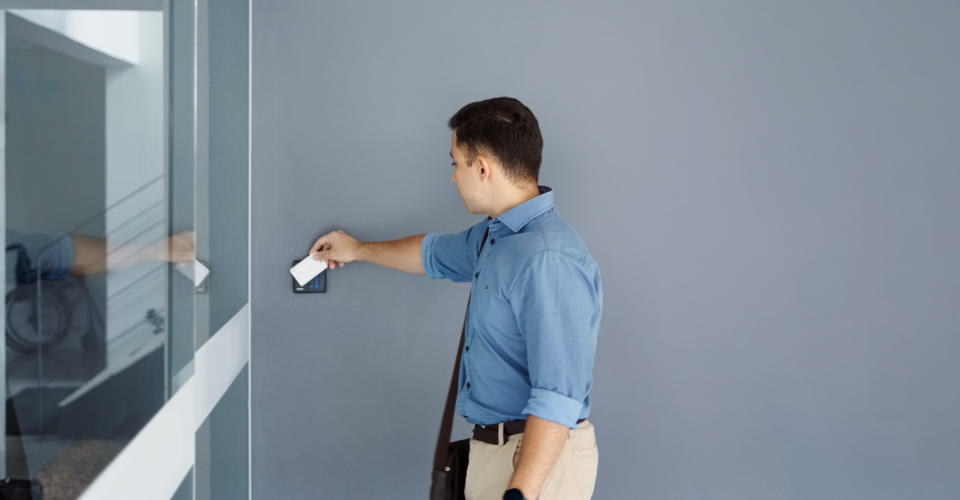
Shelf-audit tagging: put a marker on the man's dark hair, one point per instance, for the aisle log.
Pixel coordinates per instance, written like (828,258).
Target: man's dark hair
(504,127)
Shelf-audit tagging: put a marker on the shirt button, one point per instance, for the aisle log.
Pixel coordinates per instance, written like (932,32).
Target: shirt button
(477,274)
(468,348)
(468,385)
(493,241)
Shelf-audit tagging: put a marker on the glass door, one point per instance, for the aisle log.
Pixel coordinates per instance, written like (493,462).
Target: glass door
(86,238)
(125,204)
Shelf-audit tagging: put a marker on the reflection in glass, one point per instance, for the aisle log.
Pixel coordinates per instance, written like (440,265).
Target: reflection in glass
(87,239)
(125,170)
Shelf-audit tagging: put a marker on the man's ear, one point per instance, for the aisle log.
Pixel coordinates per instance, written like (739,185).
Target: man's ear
(483,166)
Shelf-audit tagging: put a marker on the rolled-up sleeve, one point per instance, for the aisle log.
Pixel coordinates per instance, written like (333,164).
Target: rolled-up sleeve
(557,302)
(452,255)
(57,259)
(50,256)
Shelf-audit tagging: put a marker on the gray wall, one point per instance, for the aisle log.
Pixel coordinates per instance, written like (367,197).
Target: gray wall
(769,189)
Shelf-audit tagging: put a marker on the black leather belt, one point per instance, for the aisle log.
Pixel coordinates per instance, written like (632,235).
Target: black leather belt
(489,433)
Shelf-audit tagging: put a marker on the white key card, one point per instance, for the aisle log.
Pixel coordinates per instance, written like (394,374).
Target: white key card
(195,271)
(307,269)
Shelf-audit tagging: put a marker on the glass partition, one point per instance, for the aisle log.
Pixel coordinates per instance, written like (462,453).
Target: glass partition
(222,447)
(181,29)
(87,231)
(228,148)
(125,160)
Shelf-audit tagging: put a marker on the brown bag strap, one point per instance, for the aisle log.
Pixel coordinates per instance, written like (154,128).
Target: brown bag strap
(442,452)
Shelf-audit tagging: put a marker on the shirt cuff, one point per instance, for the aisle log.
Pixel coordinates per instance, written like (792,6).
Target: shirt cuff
(57,259)
(553,406)
(426,249)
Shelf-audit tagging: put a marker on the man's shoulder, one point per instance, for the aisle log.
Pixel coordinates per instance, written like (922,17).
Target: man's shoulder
(547,237)
(550,234)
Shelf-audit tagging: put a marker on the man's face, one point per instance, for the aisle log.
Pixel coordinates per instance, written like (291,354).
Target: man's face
(465,177)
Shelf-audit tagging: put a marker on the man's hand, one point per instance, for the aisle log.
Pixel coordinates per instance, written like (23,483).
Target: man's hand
(336,247)
(180,247)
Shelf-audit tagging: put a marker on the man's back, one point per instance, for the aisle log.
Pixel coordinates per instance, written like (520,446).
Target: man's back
(533,316)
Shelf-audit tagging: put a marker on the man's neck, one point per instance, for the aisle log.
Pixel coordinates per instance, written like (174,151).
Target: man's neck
(513,199)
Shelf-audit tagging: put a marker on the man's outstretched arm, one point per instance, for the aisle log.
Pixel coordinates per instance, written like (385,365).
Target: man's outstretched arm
(339,248)
(90,253)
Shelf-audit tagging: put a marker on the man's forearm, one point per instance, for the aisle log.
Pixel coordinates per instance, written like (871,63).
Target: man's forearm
(543,441)
(402,254)
(90,255)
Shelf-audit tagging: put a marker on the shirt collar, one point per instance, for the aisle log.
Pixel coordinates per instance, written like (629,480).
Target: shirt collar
(520,215)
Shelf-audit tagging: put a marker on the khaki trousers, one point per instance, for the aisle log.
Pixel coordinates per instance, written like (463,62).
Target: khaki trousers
(572,478)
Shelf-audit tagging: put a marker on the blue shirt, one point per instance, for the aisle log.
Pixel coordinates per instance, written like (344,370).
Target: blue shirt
(531,328)
(31,254)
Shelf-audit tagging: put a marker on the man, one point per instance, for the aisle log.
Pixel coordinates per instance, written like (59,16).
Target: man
(534,311)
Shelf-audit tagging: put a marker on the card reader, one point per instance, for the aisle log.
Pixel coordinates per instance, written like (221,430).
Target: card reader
(318,284)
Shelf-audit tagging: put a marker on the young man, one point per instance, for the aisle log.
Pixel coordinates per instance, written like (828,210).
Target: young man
(531,328)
